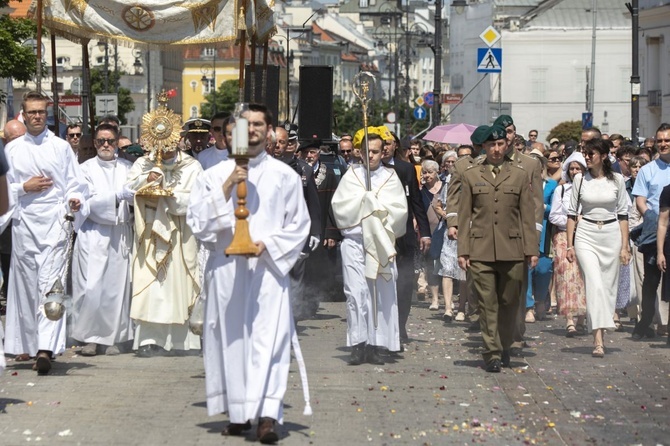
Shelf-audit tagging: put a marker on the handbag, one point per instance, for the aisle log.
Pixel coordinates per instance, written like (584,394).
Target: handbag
(436,241)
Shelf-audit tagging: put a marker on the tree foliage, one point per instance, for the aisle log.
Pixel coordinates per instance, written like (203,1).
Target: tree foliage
(566,130)
(126,103)
(349,118)
(225,97)
(17,61)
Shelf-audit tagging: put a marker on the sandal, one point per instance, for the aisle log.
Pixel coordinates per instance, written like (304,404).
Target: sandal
(570,331)
(618,327)
(22,357)
(447,317)
(598,352)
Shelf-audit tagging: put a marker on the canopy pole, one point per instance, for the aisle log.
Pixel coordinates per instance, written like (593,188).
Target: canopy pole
(54,84)
(38,68)
(265,72)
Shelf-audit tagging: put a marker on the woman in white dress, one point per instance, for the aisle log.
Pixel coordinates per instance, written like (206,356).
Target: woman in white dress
(601,240)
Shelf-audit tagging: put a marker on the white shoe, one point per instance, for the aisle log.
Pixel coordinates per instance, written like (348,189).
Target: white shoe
(434,306)
(460,317)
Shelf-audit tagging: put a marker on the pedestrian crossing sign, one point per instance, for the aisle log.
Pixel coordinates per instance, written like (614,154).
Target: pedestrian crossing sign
(489,60)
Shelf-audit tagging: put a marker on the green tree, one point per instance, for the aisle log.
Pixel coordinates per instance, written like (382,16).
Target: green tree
(126,103)
(566,130)
(224,97)
(17,62)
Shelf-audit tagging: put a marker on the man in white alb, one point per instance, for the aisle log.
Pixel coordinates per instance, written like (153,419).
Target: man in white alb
(370,222)
(102,252)
(248,324)
(46,182)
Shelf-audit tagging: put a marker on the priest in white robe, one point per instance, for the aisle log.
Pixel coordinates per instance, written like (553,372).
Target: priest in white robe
(248,321)
(46,182)
(102,252)
(165,256)
(370,222)
(5,204)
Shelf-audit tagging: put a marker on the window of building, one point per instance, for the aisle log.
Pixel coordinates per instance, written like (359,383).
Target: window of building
(208,52)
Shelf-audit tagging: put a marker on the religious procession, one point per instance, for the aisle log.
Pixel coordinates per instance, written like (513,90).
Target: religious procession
(218,237)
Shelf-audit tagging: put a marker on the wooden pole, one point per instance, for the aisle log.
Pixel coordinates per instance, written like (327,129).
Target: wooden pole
(243,48)
(87,86)
(38,71)
(54,84)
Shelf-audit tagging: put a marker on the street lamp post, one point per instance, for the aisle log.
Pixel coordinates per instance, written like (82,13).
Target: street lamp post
(437,82)
(205,70)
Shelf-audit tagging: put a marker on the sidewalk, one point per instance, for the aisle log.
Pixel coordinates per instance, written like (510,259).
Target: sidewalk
(436,393)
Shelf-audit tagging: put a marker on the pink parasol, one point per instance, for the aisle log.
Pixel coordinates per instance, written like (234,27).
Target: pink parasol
(451,134)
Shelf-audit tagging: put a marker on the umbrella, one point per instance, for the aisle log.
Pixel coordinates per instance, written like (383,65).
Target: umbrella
(451,134)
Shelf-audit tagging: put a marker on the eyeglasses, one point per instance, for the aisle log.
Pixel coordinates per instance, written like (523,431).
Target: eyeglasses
(102,141)
(663,140)
(125,147)
(554,159)
(532,135)
(449,162)
(346,151)
(74,135)
(217,129)
(590,154)
(36,112)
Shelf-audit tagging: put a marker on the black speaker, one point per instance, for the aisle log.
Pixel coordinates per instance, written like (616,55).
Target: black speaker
(315,106)
(271,100)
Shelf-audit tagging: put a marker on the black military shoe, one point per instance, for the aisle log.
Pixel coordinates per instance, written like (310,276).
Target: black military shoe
(505,359)
(357,354)
(493,366)
(372,355)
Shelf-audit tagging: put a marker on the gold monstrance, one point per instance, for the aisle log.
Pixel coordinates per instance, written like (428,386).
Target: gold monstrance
(160,132)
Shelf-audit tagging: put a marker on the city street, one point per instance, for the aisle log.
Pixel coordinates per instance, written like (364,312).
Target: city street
(435,393)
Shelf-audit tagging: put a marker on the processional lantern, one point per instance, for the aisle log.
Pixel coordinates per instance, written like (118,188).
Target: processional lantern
(161,130)
(241,243)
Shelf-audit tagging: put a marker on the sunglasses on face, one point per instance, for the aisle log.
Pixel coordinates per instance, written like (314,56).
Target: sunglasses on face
(346,151)
(532,135)
(217,129)
(102,141)
(553,159)
(74,135)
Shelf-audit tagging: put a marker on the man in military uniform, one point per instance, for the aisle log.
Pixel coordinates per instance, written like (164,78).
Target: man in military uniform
(533,167)
(197,134)
(496,221)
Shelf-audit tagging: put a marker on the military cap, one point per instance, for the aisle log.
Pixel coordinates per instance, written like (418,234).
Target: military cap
(479,135)
(504,121)
(496,132)
(310,145)
(197,125)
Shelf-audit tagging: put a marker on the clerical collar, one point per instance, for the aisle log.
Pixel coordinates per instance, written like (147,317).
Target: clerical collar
(255,161)
(105,163)
(38,139)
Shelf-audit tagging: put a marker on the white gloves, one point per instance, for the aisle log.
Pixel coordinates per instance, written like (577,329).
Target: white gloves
(126,194)
(313,242)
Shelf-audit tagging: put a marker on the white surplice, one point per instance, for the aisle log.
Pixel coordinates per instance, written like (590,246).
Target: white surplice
(101,259)
(248,320)
(212,156)
(165,257)
(370,221)
(39,241)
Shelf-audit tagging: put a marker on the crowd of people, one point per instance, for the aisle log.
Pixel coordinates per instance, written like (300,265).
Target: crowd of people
(505,230)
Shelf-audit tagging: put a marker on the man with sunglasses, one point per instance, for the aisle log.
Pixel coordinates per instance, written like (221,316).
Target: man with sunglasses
(101,307)
(46,183)
(73,136)
(222,130)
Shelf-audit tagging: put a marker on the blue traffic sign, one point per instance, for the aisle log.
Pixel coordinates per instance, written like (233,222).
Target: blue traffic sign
(587,120)
(489,60)
(428,98)
(419,113)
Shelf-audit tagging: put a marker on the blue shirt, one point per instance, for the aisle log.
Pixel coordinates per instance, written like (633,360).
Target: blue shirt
(650,181)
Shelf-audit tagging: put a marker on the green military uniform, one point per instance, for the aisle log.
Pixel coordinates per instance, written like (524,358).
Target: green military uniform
(497,232)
